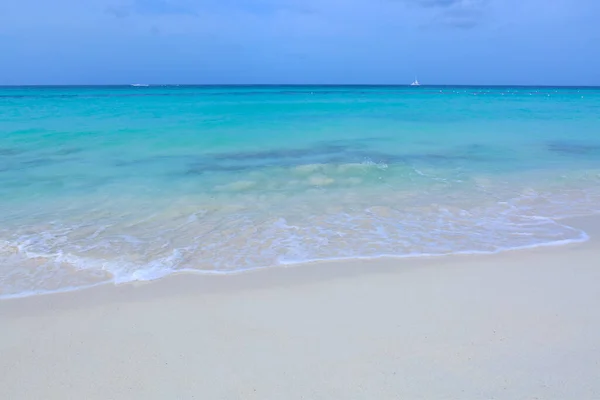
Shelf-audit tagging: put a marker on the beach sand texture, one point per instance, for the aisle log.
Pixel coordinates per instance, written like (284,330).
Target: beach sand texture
(516,325)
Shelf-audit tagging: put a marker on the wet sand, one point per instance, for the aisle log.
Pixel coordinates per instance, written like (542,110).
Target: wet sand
(522,324)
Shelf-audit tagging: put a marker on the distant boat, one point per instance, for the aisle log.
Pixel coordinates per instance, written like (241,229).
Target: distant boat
(140,84)
(415,83)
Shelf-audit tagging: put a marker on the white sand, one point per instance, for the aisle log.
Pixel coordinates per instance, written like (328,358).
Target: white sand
(519,325)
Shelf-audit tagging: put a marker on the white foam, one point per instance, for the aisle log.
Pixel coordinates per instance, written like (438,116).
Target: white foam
(320,180)
(325,225)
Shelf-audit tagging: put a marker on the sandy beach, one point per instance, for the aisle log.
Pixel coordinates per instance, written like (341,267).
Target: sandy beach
(516,325)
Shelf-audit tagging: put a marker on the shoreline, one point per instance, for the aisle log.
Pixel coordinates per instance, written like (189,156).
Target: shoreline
(318,270)
(511,325)
(577,223)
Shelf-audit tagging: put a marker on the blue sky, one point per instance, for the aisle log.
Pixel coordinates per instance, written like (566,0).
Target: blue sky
(300,41)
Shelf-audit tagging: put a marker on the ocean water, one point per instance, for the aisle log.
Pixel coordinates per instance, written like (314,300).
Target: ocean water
(117,184)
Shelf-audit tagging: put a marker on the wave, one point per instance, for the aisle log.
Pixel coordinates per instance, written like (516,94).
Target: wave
(65,257)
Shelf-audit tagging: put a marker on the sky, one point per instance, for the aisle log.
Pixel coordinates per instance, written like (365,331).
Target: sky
(500,42)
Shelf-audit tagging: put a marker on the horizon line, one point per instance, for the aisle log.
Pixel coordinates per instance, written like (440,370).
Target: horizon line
(141,85)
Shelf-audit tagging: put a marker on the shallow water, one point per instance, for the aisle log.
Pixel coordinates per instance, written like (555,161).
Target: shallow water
(115,184)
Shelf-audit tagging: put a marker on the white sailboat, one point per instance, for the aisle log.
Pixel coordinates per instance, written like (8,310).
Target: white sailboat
(415,82)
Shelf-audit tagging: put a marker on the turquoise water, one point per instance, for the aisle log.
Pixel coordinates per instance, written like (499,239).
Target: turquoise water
(117,184)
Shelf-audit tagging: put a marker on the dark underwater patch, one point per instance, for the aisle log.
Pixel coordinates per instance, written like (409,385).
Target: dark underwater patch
(38,162)
(42,162)
(68,151)
(199,168)
(327,152)
(153,160)
(281,154)
(6,151)
(573,148)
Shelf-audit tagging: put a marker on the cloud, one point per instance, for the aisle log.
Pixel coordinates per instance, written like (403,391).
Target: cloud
(191,8)
(163,7)
(465,4)
(150,7)
(463,18)
(435,3)
(118,11)
(461,14)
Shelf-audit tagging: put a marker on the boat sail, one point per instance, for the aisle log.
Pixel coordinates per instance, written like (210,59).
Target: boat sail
(415,83)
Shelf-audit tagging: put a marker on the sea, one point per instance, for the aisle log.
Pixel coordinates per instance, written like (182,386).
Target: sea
(116,184)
